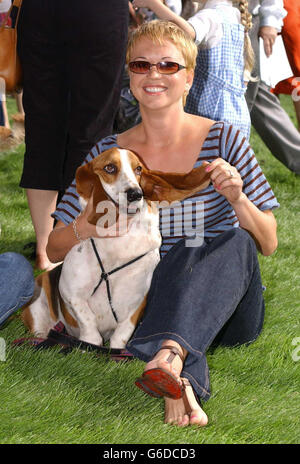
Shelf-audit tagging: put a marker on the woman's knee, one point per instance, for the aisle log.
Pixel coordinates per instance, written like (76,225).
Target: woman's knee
(13,260)
(240,240)
(16,283)
(239,235)
(17,271)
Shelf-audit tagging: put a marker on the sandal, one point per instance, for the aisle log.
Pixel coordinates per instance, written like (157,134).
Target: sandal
(159,382)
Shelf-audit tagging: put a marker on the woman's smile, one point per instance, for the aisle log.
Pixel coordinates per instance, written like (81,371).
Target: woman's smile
(154,89)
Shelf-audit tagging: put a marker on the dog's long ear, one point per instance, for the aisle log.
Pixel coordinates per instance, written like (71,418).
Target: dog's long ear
(88,183)
(172,186)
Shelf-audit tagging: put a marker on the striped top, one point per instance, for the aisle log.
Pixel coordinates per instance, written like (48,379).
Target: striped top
(207,213)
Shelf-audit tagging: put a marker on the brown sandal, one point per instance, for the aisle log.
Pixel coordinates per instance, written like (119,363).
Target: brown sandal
(159,382)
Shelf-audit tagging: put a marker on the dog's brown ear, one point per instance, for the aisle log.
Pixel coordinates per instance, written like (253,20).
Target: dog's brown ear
(85,180)
(88,183)
(173,186)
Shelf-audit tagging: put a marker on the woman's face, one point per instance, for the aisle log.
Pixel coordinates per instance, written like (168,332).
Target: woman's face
(154,90)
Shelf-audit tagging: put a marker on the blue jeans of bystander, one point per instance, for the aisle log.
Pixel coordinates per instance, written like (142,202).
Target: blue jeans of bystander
(16,283)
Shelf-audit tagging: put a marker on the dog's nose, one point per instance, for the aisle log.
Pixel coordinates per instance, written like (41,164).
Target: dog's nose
(134,195)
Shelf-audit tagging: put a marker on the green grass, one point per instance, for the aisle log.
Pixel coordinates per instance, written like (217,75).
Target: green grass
(50,398)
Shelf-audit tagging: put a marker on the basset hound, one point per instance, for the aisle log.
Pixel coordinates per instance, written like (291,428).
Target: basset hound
(100,290)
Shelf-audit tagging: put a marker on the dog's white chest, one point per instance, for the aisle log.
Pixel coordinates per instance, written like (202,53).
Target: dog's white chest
(109,288)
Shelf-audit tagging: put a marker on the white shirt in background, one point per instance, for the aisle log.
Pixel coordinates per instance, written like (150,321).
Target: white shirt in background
(271,13)
(5,6)
(208,25)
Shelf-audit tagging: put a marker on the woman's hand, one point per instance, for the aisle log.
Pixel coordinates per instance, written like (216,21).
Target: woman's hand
(269,35)
(260,224)
(226,179)
(63,237)
(112,223)
(86,229)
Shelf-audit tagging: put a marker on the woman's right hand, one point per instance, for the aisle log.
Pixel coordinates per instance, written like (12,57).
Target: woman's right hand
(63,238)
(84,228)
(112,224)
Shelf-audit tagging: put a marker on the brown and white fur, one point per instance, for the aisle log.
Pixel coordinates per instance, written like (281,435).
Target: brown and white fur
(66,293)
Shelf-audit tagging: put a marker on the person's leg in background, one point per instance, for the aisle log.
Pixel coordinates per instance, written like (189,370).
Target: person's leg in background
(1,114)
(16,284)
(45,100)
(42,203)
(5,130)
(268,118)
(252,87)
(291,38)
(276,129)
(297,111)
(5,115)
(19,102)
(65,116)
(95,62)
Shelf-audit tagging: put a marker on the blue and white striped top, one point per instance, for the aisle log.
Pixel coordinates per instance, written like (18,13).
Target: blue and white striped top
(209,208)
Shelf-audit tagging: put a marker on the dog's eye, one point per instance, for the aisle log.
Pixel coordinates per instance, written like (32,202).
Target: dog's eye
(110,168)
(138,170)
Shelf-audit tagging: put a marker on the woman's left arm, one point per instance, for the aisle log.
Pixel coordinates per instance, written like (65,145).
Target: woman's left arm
(260,224)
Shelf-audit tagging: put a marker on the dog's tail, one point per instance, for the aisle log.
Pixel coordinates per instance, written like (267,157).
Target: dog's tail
(41,313)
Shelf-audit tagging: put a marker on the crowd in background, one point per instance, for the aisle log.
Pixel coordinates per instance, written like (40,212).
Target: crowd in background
(76,92)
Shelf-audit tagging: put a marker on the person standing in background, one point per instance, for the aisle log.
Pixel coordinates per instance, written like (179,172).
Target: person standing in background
(72,58)
(291,38)
(269,119)
(4,121)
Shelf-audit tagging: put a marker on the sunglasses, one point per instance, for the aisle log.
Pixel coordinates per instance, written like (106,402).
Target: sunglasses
(163,67)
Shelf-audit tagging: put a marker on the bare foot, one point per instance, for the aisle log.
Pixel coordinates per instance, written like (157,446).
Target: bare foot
(185,411)
(175,412)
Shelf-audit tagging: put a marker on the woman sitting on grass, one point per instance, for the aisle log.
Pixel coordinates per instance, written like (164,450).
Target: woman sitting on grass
(210,293)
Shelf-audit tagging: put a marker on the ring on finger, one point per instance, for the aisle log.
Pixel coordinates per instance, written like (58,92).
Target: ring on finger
(230,173)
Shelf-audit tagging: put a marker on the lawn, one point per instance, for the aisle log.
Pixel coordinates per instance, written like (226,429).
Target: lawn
(47,397)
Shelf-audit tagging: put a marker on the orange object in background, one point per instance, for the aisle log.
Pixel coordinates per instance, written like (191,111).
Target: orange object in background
(291,39)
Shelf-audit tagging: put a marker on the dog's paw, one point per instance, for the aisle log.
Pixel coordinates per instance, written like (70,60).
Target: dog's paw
(94,339)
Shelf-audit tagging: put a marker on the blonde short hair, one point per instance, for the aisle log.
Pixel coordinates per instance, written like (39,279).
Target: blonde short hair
(159,32)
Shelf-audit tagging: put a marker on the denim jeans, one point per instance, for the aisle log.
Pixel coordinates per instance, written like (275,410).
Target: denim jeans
(201,296)
(16,283)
